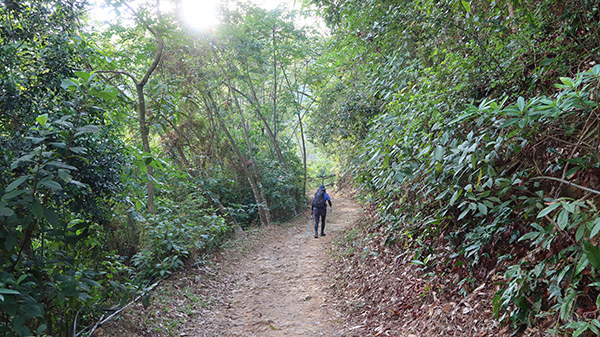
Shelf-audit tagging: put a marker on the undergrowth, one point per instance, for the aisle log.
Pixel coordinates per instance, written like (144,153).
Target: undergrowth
(508,186)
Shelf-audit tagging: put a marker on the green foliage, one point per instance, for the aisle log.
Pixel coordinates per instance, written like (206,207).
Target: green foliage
(180,230)
(456,156)
(58,179)
(476,178)
(36,54)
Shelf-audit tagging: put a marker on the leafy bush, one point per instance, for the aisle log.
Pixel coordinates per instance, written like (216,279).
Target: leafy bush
(179,232)
(491,174)
(56,190)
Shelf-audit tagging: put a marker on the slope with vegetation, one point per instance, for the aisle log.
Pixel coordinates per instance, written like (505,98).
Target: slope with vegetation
(473,129)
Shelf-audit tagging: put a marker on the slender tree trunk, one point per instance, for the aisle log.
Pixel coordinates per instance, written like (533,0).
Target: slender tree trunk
(267,127)
(262,208)
(252,167)
(274,87)
(184,160)
(303,152)
(145,144)
(299,113)
(260,115)
(254,171)
(139,86)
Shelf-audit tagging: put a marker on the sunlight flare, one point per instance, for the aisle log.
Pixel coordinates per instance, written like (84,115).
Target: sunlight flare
(200,14)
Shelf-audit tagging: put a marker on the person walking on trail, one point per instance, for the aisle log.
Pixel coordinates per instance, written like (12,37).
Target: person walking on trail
(319,208)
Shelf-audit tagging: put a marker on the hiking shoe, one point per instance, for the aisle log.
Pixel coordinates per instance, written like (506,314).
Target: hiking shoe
(316,236)
(322,233)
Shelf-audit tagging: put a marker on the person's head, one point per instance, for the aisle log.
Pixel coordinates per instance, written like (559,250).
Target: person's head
(322,187)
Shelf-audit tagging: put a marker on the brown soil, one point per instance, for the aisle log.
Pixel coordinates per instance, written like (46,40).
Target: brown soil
(271,282)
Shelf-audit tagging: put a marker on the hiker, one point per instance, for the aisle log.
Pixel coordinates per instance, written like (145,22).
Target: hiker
(319,206)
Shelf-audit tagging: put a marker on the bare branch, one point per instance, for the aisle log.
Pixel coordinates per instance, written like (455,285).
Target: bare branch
(118,72)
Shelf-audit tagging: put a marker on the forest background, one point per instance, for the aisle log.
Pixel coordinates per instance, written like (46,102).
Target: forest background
(134,148)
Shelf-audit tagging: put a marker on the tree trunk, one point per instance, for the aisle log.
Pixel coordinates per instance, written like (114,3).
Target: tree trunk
(260,115)
(264,120)
(252,167)
(139,86)
(298,112)
(145,144)
(274,87)
(262,208)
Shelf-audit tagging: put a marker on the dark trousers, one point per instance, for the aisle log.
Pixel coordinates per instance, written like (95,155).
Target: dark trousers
(320,213)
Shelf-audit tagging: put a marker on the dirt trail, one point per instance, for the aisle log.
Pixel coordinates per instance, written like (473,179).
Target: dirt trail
(280,289)
(270,283)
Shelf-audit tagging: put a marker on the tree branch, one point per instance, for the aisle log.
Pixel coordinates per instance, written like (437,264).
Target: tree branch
(568,183)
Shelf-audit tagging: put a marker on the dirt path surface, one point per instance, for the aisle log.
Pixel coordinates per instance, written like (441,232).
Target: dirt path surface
(281,289)
(270,282)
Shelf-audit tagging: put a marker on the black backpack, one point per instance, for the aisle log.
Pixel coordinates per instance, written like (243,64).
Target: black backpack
(319,199)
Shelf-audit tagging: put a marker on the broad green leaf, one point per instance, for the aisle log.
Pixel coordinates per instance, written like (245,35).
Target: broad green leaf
(16,183)
(569,207)
(592,253)
(20,328)
(580,330)
(6,212)
(37,209)
(466,5)
(50,184)
(36,140)
(31,309)
(5,291)
(438,154)
(463,214)
(15,193)
(530,235)
(10,242)
(580,232)
(572,171)
(563,219)
(87,129)
(455,196)
(581,264)
(78,149)
(521,103)
(107,93)
(548,209)
(547,61)
(64,175)
(51,217)
(42,119)
(69,84)
(59,145)
(83,75)
(40,330)
(62,165)
(21,279)
(594,231)
(567,81)
(482,208)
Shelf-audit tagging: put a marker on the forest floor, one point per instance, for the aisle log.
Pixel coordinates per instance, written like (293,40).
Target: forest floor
(269,282)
